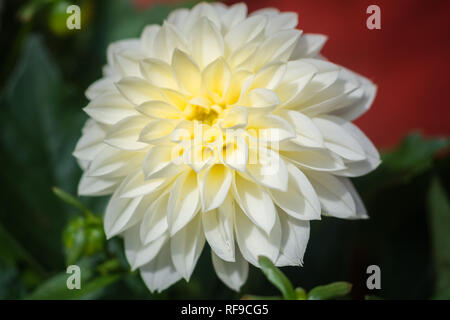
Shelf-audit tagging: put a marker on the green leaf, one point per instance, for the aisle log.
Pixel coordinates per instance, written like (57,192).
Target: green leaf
(69,199)
(56,287)
(40,124)
(414,155)
(330,291)
(439,215)
(253,297)
(300,293)
(277,278)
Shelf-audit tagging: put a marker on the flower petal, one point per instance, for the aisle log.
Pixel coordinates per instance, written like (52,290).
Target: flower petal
(184,202)
(187,245)
(207,45)
(218,228)
(160,273)
(125,134)
(255,202)
(215,185)
(110,108)
(254,242)
(233,274)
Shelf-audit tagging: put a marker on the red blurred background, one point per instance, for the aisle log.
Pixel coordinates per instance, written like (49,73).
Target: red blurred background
(408,58)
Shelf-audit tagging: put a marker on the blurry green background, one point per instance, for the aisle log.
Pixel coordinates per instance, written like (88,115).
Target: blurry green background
(44,72)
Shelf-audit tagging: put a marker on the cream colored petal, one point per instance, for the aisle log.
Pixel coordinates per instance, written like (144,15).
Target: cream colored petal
(337,139)
(233,274)
(110,108)
(158,163)
(125,134)
(91,141)
(186,246)
(187,72)
(308,46)
(266,168)
(234,152)
(216,78)
(269,76)
(147,39)
(244,32)
(281,21)
(317,159)
(307,133)
(112,163)
(361,212)
(234,118)
(300,201)
(101,86)
(253,241)
(137,90)
(295,236)
(184,202)
(158,73)
(218,228)
(157,130)
(277,47)
(159,110)
(270,128)
(334,197)
(122,213)
(96,186)
(214,186)
(207,45)
(232,16)
(259,101)
(255,202)
(136,185)
(148,252)
(154,223)
(160,273)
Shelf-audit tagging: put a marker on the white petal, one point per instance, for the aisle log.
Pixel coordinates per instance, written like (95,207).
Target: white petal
(159,110)
(154,223)
(334,197)
(184,201)
(148,252)
(361,212)
(136,185)
(234,153)
(187,245)
(112,163)
(187,72)
(158,163)
(157,130)
(266,167)
(282,21)
(218,228)
(317,159)
(244,32)
(254,242)
(233,15)
(308,46)
(216,78)
(125,134)
(255,202)
(300,200)
(337,139)
(110,108)
(269,76)
(233,274)
(96,186)
(207,44)
(270,128)
(307,133)
(91,141)
(158,73)
(138,90)
(215,186)
(295,236)
(160,273)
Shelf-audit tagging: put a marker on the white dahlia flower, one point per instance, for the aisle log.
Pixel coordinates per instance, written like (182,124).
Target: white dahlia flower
(225,128)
